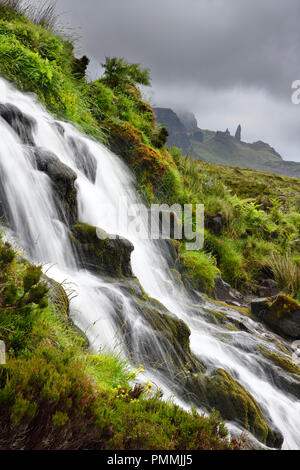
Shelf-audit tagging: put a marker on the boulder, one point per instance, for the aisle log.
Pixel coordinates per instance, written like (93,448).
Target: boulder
(221,392)
(238,133)
(63,179)
(281,314)
(21,123)
(85,161)
(100,252)
(268,288)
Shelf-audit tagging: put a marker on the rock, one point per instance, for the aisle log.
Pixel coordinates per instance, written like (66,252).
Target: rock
(268,288)
(147,323)
(101,253)
(161,138)
(59,128)
(221,392)
(63,179)
(281,314)
(170,227)
(215,223)
(238,133)
(85,161)
(226,293)
(170,250)
(22,124)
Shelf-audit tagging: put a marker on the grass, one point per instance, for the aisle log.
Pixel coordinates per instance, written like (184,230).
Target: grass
(287,274)
(260,219)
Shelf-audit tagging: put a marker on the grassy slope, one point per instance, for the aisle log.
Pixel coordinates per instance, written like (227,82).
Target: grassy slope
(53,393)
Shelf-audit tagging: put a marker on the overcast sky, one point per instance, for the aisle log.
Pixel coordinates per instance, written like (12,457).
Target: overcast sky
(227,61)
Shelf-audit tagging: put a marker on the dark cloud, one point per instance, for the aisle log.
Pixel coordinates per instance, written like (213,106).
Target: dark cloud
(228,61)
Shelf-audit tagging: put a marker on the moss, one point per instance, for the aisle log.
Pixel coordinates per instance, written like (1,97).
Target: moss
(281,361)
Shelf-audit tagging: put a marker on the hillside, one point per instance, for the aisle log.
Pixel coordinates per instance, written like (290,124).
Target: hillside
(221,147)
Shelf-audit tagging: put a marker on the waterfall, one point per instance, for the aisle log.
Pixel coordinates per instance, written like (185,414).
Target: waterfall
(36,222)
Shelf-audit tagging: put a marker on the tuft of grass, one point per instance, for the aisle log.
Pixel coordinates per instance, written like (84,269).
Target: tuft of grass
(287,273)
(42,13)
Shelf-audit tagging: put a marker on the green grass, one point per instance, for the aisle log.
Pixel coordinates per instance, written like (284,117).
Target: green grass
(231,151)
(200,269)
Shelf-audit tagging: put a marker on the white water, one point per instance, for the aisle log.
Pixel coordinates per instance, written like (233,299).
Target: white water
(38,228)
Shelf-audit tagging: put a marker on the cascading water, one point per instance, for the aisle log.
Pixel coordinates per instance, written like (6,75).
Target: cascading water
(28,201)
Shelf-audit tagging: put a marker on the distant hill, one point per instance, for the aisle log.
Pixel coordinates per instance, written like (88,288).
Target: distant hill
(221,147)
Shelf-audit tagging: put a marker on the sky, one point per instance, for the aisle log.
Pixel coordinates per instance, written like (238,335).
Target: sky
(229,62)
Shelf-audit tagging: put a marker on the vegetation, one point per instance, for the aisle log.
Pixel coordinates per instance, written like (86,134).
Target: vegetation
(54,394)
(259,236)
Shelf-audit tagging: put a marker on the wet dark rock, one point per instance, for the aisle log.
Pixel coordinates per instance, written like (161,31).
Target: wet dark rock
(5,215)
(188,119)
(79,67)
(281,314)
(221,392)
(100,252)
(197,135)
(21,123)
(85,161)
(63,179)
(58,296)
(268,288)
